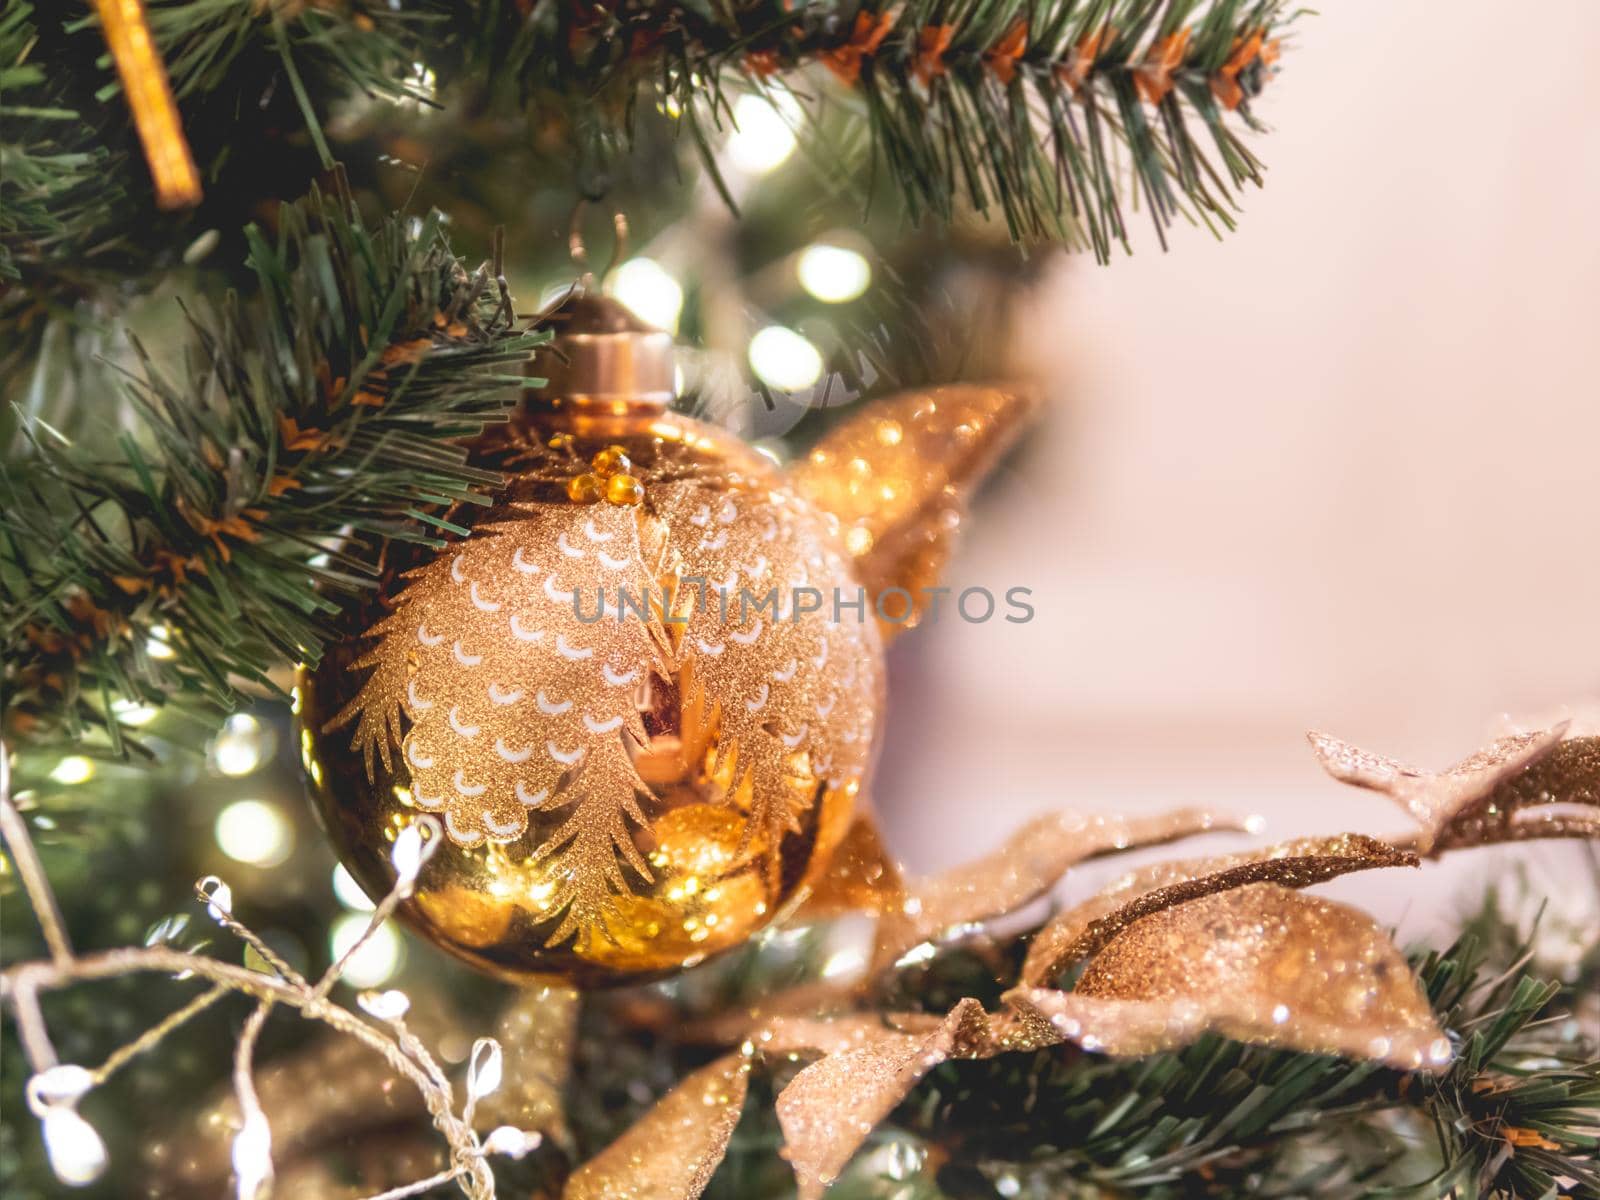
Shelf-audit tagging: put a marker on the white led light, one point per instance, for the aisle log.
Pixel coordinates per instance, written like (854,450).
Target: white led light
(511,1141)
(379,957)
(254,832)
(348,892)
(241,746)
(485,1068)
(645,286)
(217,895)
(781,358)
(133,714)
(252,1156)
(73,769)
(833,274)
(764,131)
(76,1153)
(386,1006)
(413,846)
(158,644)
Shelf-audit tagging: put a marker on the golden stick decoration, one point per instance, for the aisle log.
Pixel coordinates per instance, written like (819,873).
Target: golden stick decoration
(155,114)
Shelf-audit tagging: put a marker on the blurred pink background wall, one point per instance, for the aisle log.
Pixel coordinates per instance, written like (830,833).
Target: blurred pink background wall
(1340,469)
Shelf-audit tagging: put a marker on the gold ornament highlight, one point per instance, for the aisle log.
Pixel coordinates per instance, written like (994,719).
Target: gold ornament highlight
(644,694)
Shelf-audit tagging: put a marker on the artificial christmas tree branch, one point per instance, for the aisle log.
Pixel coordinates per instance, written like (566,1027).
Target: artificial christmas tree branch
(1060,117)
(308,426)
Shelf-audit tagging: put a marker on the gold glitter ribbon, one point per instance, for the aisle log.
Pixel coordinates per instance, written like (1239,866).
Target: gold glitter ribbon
(155,114)
(672,1151)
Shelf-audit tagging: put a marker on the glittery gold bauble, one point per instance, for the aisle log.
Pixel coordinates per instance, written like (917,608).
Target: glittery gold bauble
(628,695)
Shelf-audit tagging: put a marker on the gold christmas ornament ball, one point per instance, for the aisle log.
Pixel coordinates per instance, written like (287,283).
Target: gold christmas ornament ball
(638,751)
(630,696)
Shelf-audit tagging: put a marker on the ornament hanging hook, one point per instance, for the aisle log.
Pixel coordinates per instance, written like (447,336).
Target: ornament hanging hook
(578,248)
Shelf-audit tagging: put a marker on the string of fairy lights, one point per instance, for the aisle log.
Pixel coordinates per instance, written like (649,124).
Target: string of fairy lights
(78,1155)
(255,829)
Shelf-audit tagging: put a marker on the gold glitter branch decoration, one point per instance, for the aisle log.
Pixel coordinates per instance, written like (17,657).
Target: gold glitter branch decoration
(155,114)
(1506,792)
(1224,945)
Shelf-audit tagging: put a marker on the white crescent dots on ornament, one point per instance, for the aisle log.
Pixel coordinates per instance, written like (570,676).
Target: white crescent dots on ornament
(702,516)
(553,590)
(431,803)
(416,757)
(513,756)
(711,648)
(565,757)
(792,741)
(611,564)
(465,659)
(511,696)
(531,801)
(728,512)
(748,639)
(506,830)
(549,706)
(594,726)
(460,836)
(593,534)
(618,678)
(821,660)
(757,571)
(455,570)
(788,672)
(714,543)
(478,602)
(465,788)
(418,704)
(769,530)
(567,547)
(466,731)
(428,639)
(823,710)
(760,701)
(572,652)
(521,634)
(522,564)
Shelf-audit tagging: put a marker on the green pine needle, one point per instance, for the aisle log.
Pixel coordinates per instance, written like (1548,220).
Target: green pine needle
(307,425)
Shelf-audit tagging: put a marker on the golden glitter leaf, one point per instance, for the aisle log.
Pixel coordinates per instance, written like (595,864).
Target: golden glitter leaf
(1085,928)
(671,1152)
(829,1108)
(1260,963)
(1024,868)
(1501,793)
(897,477)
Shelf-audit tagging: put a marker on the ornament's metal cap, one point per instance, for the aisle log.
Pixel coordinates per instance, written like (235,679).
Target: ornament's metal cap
(604,358)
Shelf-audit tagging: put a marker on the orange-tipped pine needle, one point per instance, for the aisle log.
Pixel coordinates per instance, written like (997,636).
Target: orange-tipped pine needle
(155,115)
